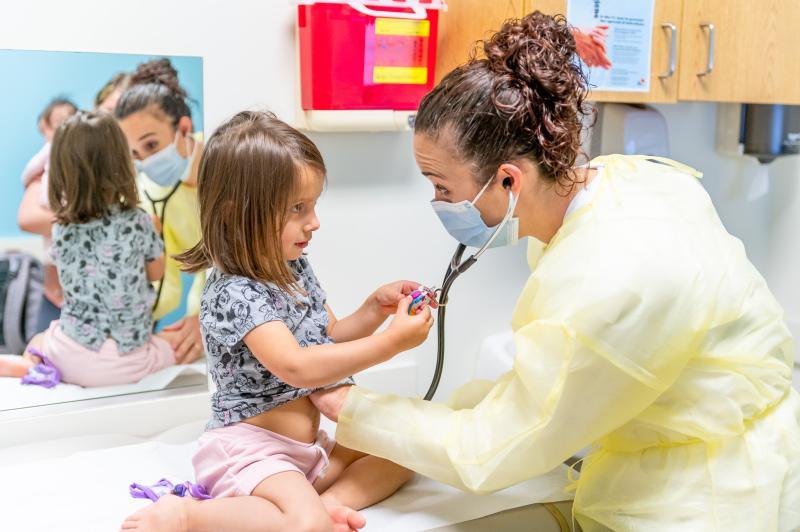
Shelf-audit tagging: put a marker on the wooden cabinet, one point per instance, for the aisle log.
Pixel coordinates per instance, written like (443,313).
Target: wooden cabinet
(754,47)
(464,23)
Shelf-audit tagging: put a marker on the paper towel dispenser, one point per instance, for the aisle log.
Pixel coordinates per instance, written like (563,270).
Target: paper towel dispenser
(628,129)
(763,131)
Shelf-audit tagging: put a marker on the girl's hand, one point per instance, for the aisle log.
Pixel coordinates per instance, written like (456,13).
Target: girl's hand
(408,331)
(330,402)
(387,297)
(184,337)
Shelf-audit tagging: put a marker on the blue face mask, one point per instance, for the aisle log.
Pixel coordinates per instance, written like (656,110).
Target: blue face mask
(167,167)
(463,221)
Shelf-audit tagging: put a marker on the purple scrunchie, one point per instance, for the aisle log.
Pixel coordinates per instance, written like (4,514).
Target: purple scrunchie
(43,374)
(164,487)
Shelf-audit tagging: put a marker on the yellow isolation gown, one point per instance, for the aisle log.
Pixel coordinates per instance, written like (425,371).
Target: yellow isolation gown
(645,332)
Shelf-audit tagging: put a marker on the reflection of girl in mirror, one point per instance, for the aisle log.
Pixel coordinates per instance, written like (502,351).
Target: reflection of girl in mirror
(107,253)
(154,115)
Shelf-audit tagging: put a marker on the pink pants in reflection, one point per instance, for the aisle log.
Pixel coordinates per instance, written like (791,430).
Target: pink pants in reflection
(106,367)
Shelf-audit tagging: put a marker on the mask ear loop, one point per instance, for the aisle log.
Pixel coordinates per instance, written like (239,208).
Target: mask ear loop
(189,140)
(482,190)
(191,154)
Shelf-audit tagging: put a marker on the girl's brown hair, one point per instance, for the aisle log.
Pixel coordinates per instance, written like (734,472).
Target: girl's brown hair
(90,169)
(249,172)
(524,99)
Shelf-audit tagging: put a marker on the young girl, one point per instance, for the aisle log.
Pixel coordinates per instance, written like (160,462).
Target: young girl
(106,252)
(271,341)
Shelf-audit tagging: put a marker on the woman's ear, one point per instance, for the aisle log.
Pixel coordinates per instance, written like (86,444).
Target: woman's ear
(185,125)
(510,177)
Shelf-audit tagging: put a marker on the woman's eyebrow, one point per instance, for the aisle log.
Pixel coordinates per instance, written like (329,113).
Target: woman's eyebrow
(434,174)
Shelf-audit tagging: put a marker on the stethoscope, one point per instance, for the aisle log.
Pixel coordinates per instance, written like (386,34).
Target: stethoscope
(454,269)
(154,203)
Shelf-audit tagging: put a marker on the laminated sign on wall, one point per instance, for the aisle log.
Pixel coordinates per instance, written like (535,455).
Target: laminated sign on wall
(615,38)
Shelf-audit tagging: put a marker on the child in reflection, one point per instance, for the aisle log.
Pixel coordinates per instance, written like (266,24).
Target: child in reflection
(107,253)
(56,112)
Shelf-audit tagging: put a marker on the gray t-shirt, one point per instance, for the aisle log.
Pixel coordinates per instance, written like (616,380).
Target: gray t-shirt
(101,267)
(231,306)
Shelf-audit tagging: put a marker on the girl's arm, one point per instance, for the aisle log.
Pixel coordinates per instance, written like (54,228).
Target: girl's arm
(371,314)
(155,268)
(320,365)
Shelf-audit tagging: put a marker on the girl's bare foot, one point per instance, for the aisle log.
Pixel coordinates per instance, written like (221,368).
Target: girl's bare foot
(168,514)
(345,519)
(16,367)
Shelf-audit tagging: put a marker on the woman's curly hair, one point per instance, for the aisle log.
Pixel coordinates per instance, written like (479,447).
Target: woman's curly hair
(524,99)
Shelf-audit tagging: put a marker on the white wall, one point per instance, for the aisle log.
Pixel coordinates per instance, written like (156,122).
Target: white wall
(376,224)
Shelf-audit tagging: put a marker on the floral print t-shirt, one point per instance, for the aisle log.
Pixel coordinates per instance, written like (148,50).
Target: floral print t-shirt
(101,266)
(231,306)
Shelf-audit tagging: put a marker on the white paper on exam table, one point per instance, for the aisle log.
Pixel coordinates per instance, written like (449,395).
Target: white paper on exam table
(13,394)
(88,491)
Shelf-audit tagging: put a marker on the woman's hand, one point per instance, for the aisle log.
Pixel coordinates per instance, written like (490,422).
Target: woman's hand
(387,297)
(330,402)
(184,337)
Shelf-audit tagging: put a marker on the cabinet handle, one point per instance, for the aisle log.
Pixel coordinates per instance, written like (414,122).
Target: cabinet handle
(673,49)
(710,64)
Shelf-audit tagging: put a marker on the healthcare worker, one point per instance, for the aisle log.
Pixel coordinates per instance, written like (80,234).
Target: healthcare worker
(643,329)
(154,114)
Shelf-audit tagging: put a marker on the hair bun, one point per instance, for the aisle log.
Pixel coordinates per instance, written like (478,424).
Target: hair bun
(160,72)
(539,88)
(536,50)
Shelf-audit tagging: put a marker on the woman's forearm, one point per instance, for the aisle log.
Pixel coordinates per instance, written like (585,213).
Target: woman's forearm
(32,216)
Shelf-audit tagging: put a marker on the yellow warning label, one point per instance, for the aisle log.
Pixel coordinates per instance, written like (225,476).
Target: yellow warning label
(400,75)
(399,26)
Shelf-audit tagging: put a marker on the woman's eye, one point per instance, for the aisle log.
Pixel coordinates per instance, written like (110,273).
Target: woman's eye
(296,209)
(440,190)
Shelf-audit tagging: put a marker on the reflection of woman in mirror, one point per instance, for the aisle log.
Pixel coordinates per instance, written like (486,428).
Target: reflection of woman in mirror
(155,117)
(107,253)
(109,94)
(34,214)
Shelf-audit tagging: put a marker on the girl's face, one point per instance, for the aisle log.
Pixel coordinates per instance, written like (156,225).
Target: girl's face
(149,132)
(302,218)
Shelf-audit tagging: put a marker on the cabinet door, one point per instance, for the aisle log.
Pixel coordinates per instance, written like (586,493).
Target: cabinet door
(465,22)
(666,15)
(754,53)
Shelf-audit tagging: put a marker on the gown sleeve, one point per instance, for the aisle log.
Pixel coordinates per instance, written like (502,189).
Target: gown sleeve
(600,332)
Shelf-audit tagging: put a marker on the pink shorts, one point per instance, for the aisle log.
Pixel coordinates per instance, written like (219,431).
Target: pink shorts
(106,367)
(233,460)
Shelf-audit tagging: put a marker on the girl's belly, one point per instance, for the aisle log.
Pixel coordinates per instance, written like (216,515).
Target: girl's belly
(298,420)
